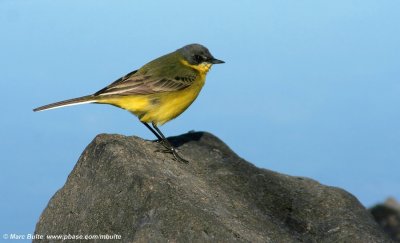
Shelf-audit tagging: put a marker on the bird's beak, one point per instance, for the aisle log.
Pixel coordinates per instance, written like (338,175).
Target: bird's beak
(216,61)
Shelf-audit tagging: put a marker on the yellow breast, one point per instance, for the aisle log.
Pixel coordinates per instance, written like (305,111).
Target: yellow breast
(166,106)
(161,107)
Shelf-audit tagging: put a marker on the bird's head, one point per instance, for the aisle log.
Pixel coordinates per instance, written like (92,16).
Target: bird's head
(196,54)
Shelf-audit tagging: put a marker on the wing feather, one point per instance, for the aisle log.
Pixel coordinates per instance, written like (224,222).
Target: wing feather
(142,83)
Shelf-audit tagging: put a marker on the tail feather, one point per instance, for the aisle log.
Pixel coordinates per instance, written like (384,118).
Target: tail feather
(75,101)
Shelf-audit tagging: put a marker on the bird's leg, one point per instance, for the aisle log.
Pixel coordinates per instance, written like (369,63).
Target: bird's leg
(168,145)
(154,132)
(159,138)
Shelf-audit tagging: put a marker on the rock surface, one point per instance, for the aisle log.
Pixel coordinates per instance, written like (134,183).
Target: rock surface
(388,217)
(121,186)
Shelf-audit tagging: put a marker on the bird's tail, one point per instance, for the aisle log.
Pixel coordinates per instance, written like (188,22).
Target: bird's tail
(75,101)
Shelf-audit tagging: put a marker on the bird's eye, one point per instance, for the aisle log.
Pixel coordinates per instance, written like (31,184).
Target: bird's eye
(198,58)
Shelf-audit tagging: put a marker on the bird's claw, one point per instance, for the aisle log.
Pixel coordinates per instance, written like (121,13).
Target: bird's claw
(173,152)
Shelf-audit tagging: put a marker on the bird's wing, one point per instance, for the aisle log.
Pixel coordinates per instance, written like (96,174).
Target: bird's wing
(142,83)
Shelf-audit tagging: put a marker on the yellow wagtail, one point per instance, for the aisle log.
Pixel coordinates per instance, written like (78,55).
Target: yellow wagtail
(157,92)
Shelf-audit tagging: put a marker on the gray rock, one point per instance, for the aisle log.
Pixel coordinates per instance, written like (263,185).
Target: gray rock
(388,217)
(121,186)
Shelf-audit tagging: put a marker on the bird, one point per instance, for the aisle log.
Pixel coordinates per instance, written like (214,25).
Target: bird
(157,92)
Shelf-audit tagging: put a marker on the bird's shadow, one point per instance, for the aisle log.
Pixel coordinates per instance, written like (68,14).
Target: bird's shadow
(178,141)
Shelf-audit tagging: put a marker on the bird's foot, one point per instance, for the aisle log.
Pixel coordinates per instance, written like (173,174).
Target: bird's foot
(172,150)
(178,157)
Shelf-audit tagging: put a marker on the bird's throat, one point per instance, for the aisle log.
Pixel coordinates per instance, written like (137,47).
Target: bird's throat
(203,67)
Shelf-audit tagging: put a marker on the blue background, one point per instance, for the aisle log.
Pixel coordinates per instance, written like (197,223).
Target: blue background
(309,88)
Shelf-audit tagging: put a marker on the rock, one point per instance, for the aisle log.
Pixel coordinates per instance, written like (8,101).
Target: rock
(121,187)
(388,217)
